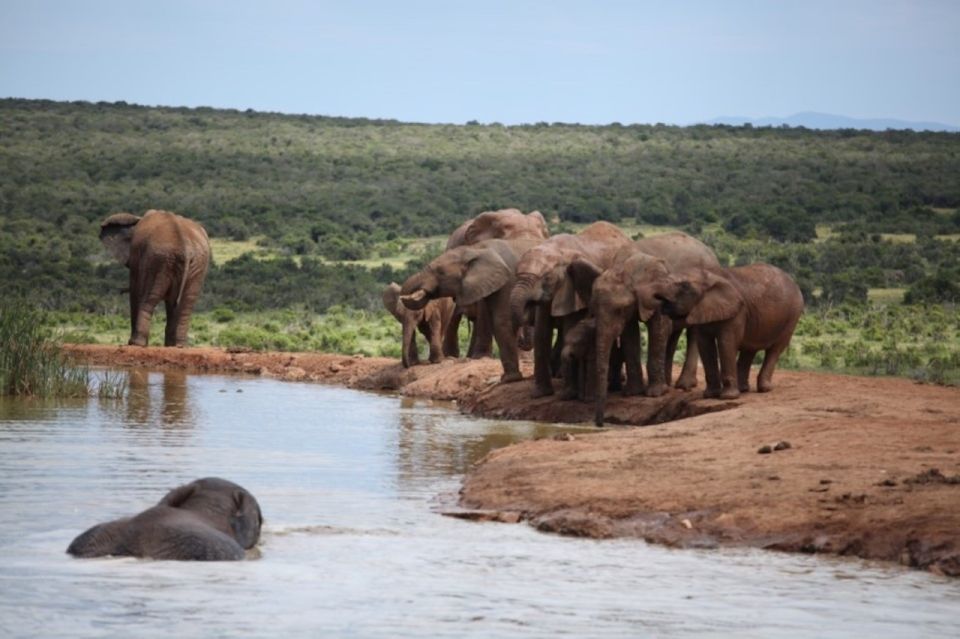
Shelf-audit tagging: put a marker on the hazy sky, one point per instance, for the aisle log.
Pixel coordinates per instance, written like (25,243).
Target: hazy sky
(594,61)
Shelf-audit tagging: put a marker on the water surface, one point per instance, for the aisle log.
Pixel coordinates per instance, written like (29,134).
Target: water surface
(350,484)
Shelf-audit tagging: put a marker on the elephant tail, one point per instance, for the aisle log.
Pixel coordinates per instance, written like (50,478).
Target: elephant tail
(184,276)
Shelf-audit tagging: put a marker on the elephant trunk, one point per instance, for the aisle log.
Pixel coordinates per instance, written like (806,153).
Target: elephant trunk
(409,344)
(523,293)
(607,333)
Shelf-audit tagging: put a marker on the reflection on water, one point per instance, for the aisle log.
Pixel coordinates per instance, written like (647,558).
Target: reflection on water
(353,546)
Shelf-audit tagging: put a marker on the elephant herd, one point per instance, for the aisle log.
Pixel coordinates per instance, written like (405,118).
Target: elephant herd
(519,286)
(506,274)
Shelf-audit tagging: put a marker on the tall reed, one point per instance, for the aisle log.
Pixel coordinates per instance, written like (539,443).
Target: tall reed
(31,362)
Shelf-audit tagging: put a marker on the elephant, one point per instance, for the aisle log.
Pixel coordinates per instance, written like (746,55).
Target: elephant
(615,304)
(744,309)
(505,224)
(209,519)
(168,256)
(544,285)
(432,321)
(481,274)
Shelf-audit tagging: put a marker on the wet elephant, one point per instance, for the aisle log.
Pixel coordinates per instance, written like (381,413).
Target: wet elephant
(168,256)
(209,519)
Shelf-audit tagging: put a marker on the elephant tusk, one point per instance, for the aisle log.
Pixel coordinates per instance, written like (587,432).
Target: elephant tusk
(415,297)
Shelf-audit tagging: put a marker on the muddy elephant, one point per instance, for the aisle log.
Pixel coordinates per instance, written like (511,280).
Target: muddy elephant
(745,309)
(481,274)
(504,224)
(616,306)
(432,321)
(168,256)
(545,287)
(208,519)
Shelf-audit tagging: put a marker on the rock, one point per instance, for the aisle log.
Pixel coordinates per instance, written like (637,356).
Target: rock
(782,445)
(765,450)
(294,374)
(564,437)
(335,368)
(686,523)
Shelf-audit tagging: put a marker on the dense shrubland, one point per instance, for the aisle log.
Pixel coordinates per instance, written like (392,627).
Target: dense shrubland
(332,206)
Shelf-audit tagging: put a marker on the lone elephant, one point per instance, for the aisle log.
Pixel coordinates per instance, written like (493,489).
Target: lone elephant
(745,309)
(504,224)
(209,519)
(545,286)
(168,256)
(432,321)
(481,274)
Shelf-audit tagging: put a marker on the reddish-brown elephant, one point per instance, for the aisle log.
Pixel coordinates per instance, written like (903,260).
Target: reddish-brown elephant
(168,256)
(544,286)
(432,321)
(504,224)
(481,274)
(742,310)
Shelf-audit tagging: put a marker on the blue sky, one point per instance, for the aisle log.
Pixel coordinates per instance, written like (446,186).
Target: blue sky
(595,61)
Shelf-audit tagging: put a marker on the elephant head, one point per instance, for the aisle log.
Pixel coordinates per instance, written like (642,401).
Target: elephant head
(224,505)
(467,273)
(698,297)
(408,318)
(116,232)
(542,278)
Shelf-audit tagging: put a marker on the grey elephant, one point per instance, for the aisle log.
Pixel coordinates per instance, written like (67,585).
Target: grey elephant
(432,321)
(504,224)
(209,519)
(481,274)
(617,307)
(168,256)
(742,310)
(545,286)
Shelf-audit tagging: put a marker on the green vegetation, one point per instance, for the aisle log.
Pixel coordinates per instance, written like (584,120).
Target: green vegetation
(32,364)
(311,216)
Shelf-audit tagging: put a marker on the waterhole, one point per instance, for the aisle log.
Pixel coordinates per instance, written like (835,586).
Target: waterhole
(351,486)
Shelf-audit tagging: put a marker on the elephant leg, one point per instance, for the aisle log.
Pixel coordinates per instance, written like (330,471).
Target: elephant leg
(571,365)
(451,336)
(542,337)
(497,310)
(408,346)
(134,304)
(615,371)
(630,343)
(482,342)
(588,375)
(433,337)
(727,350)
(658,329)
(707,346)
(744,361)
(671,350)
(770,358)
(688,376)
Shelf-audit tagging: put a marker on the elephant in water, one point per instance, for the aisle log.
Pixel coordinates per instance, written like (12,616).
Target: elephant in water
(208,519)
(432,321)
(744,309)
(168,256)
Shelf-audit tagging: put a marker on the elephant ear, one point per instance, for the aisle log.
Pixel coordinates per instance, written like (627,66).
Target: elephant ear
(582,273)
(391,300)
(539,223)
(486,273)
(245,519)
(116,232)
(720,301)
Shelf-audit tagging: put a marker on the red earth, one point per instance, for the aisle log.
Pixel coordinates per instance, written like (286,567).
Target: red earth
(865,467)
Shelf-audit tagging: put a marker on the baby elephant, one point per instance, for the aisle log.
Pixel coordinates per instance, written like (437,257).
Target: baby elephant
(432,322)
(209,519)
(742,310)
(578,361)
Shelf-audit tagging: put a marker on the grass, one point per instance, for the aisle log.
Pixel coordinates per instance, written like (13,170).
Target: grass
(31,364)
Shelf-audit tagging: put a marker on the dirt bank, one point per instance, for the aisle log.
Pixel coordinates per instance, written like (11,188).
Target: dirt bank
(872,469)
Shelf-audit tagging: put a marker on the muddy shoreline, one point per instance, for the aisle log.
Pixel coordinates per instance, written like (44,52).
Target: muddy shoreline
(872,469)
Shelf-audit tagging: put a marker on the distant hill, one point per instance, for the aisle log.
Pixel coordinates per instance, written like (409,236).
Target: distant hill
(813,120)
